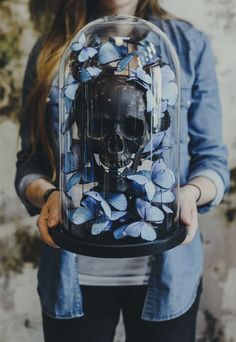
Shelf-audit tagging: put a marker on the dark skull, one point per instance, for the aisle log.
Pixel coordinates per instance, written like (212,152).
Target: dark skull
(112,119)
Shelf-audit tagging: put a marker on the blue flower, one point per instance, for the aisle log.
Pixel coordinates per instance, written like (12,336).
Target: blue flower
(111,52)
(155,146)
(97,209)
(159,176)
(85,52)
(143,228)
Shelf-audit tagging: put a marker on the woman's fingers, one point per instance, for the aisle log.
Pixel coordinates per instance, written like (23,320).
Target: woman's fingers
(192,228)
(188,213)
(54,216)
(42,224)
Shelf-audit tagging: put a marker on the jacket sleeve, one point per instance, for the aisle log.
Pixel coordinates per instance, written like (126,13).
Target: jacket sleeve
(37,166)
(206,148)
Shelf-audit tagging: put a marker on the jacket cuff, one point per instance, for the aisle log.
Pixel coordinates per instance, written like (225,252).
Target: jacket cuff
(219,184)
(24,182)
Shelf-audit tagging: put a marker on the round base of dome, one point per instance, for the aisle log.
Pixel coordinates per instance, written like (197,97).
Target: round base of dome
(75,245)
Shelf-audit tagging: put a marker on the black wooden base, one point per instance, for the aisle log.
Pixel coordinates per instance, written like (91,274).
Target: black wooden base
(73,244)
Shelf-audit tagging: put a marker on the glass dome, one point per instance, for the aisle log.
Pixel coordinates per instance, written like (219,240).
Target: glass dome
(119,140)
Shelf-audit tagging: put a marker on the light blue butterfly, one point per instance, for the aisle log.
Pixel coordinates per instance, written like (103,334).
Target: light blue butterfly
(110,53)
(86,74)
(169,87)
(85,52)
(102,218)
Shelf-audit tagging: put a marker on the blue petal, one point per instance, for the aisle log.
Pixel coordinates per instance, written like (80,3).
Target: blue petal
(75,179)
(154,214)
(82,215)
(109,53)
(158,167)
(167,209)
(149,212)
(70,90)
(170,93)
(134,229)
(80,44)
(94,71)
(167,74)
(83,56)
(150,190)
(116,215)
(91,204)
(76,47)
(155,142)
(148,233)
(125,61)
(140,179)
(69,79)
(143,76)
(142,207)
(95,195)
(99,225)
(145,173)
(105,206)
(119,233)
(84,75)
(165,180)
(164,197)
(118,201)
(91,51)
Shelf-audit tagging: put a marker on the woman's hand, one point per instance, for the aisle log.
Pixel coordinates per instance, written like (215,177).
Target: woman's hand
(49,218)
(188,210)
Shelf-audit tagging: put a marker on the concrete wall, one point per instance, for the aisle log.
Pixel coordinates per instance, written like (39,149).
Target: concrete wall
(19,307)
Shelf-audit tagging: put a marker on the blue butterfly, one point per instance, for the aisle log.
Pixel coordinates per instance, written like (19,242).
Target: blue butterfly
(169,87)
(110,53)
(143,228)
(154,147)
(136,229)
(80,177)
(85,52)
(75,159)
(159,176)
(86,74)
(163,197)
(70,90)
(96,208)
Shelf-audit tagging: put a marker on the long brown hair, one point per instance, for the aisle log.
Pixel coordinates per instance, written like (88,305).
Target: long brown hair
(70,17)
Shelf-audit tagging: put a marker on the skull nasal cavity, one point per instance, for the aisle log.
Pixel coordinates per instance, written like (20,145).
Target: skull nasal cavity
(115,144)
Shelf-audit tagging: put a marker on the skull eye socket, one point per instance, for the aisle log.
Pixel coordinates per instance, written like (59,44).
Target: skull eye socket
(132,127)
(98,127)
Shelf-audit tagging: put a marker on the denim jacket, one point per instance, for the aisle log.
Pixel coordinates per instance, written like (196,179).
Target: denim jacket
(175,274)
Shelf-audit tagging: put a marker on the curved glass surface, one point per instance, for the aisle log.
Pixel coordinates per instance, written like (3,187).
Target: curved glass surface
(119,133)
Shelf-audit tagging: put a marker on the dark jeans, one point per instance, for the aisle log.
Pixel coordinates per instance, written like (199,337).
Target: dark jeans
(102,306)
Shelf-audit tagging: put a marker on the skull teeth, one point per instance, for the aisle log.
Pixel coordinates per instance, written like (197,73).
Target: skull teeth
(107,169)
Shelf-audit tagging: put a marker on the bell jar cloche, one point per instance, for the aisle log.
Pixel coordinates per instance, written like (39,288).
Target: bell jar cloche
(119,141)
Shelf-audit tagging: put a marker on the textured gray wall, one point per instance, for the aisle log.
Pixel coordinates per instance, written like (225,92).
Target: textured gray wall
(19,306)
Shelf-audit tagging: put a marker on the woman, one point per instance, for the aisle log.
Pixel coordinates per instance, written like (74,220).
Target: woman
(158,295)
